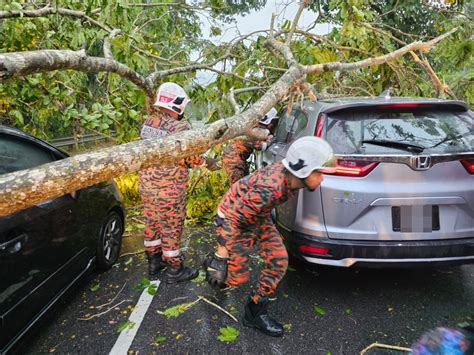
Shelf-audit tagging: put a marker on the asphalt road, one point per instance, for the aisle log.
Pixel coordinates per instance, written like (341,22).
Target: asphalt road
(324,310)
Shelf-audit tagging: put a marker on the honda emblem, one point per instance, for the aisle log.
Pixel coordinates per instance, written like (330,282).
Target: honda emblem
(421,162)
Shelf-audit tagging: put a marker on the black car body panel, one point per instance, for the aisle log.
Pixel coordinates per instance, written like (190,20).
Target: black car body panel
(46,248)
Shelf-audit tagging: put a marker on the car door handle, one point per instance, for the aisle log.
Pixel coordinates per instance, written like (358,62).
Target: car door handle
(14,245)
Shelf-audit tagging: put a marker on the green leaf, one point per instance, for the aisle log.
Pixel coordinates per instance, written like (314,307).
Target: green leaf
(129,261)
(15,5)
(19,116)
(347,311)
(215,31)
(144,283)
(201,277)
(95,287)
(152,289)
(125,325)
(175,311)
(319,310)
(228,334)
(160,339)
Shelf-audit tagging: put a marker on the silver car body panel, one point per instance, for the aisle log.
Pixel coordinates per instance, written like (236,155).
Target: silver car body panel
(360,208)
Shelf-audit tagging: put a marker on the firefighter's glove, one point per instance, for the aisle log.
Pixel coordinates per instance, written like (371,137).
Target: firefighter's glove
(216,270)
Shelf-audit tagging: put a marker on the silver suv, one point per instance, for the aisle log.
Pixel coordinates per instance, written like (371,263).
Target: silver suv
(403,192)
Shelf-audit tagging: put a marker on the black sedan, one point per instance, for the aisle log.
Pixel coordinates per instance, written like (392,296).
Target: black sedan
(46,248)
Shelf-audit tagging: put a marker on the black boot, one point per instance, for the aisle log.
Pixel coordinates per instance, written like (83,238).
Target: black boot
(179,273)
(155,265)
(256,316)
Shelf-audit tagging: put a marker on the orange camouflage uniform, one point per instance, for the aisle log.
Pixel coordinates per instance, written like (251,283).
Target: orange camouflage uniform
(234,158)
(244,218)
(163,191)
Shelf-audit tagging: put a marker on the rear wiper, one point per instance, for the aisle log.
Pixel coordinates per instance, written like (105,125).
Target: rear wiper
(397,145)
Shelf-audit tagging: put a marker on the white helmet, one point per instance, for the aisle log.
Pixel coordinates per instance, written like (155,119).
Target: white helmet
(172,96)
(307,154)
(269,117)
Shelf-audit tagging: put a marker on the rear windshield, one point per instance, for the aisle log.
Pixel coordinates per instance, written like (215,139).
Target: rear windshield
(390,132)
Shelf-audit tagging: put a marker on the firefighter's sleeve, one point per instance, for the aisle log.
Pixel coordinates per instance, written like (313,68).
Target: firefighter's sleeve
(194,161)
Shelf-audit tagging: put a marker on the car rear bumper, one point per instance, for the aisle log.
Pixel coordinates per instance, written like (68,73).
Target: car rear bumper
(343,253)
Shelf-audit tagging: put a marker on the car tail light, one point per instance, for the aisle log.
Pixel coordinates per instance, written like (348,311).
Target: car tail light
(319,126)
(313,250)
(469,165)
(353,168)
(406,105)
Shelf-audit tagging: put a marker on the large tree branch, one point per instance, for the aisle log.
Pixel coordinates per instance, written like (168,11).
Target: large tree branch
(23,63)
(423,63)
(156,76)
(173,4)
(294,25)
(439,86)
(231,98)
(107,45)
(232,92)
(48,10)
(421,46)
(284,50)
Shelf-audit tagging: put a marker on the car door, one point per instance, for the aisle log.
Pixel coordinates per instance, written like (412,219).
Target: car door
(33,243)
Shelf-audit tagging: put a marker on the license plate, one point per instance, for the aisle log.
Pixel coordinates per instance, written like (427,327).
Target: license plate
(415,219)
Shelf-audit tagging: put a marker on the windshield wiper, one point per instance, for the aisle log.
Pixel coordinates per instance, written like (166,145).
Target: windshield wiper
(397,145)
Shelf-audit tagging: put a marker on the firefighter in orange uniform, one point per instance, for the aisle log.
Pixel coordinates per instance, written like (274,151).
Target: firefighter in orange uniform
(236,153)
(163,188)
(243,220)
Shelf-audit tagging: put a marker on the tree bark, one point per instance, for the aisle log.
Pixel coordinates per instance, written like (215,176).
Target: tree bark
(17,64)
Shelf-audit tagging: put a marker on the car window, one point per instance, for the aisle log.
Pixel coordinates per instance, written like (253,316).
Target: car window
(18,154)
(434,131)
(291,125)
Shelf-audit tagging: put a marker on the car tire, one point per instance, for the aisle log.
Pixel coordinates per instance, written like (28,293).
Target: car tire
(110,240)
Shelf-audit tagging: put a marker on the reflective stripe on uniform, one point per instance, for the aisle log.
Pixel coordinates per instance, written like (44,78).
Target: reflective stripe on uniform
(171,253)
(220,213)
(152,243)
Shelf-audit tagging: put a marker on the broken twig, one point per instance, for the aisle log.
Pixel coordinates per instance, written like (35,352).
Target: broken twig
(218,307)
(113,299)
(102,313)
(384,346)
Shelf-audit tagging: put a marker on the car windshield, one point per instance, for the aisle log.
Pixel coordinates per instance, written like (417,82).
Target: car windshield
(384,132)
